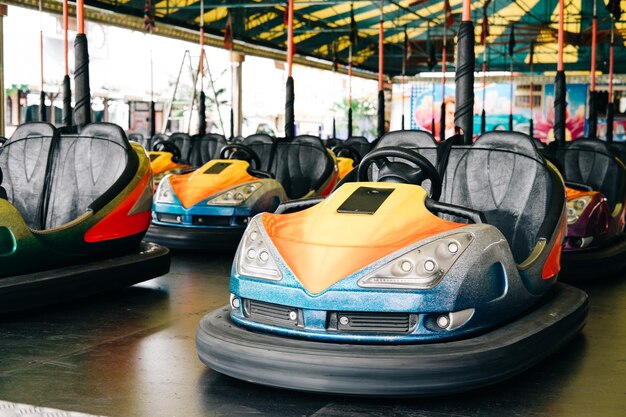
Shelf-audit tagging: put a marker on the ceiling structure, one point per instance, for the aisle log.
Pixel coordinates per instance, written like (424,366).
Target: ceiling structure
(322,24)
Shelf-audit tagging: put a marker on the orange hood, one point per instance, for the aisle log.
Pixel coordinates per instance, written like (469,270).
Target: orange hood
(198,185)
(322,246)
(162,161)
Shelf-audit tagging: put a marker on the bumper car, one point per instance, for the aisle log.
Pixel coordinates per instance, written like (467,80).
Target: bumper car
(169,155)
(73,211)
(181,153)
(596,194)
(210,207)
(383,289)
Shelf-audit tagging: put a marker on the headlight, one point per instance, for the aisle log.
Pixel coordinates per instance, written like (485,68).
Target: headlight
(254,258)
(165,193)
(235,196)
(576,207)
(420,268)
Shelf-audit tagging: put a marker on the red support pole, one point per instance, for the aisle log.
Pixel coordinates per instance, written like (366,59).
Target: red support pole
(65,35)
(80,15)
(290,38)
(561,39)
(350,77)
(611,71)
(594,39)
(467,11)
(381,40)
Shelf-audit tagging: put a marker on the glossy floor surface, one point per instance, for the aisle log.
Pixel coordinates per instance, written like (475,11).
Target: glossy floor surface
(132,353)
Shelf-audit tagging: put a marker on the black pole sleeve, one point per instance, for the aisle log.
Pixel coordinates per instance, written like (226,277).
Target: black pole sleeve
(82,110)
(350,121)
(232,123)
(67,102)
(202,114)
(531,129)
(609,123)
(152,131)
(464,79)
(289,110)
(334,129)
(442,122)
(511,121)
(402,123)
(559,107)
(592,126)
(483,122)
(381,113)
(432,126)
(42,107)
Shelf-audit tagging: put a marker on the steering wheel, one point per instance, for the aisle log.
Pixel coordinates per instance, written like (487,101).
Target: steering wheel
(349,152)
(166,146)
(235,151)
(401,172)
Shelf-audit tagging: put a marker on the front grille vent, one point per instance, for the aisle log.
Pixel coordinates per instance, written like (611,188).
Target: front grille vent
(366,322)
(274,314)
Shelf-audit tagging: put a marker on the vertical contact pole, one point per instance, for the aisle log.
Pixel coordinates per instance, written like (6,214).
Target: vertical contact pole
(531,130)
(609,110)
(289,104)
(593,114)
(381,58)
(202,97)
(444,58)
(464,79)
(82,108)
(42,94)
(67,89)
(559,82)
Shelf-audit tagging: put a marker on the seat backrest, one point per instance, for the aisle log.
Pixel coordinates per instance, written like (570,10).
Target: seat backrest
(301,165)
(83,168)
(505,177)
(420,141)
(136,137)
(182,142)
(23,162)
(331,143)
(159,137)
(264,146)
(205,149)
(360,143)
(591,162)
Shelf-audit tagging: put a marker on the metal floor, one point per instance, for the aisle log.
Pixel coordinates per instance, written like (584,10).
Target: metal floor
(132,353)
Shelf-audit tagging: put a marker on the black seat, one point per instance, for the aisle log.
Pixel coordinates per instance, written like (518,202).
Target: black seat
(182,142)
(331,143)
(418,140)
(360,144)
(84,168)
(504,176)
(264,146)
(205,149)
(302,165)
(592,163)
(154,140)
(53,179)
(24,162)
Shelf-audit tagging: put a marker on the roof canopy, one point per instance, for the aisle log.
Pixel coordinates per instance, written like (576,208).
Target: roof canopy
(320,24)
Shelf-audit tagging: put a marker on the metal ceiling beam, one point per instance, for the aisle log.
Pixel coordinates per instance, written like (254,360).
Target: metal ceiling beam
(171,31)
